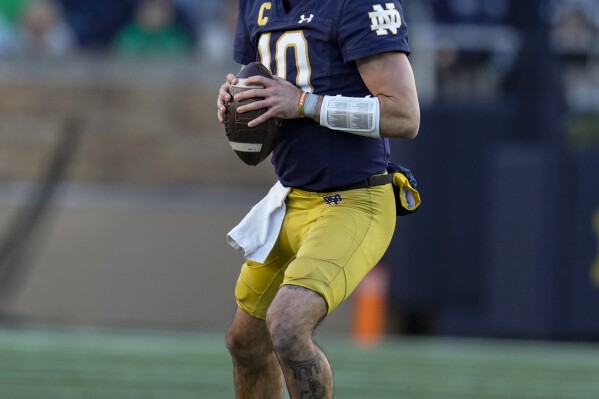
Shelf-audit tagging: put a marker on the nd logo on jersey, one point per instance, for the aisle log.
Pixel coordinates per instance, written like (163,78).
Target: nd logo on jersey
(385,19)
(595,267)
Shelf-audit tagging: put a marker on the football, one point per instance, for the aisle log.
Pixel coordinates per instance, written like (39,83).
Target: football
(252,145)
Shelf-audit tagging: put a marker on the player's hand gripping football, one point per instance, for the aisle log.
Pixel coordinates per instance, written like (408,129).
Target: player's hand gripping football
(280,97)
(224,96)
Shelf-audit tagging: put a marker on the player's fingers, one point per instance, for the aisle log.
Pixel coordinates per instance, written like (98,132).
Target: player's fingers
(224,94)
(253,106)
(223,97)
(231,79)
(221,108)
(220,112)
(220,102)
(251,93)
(258,80)
(260,119)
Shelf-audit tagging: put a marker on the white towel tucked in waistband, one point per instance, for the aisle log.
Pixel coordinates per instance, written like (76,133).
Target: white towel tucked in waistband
(257,233)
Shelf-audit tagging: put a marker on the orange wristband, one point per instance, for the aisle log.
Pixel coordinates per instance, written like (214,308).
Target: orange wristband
(301,104)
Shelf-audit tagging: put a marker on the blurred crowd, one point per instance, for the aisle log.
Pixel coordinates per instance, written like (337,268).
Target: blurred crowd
(183,26)
(485,49)
(178,26)
(575,40)
(472,48)
(129,27)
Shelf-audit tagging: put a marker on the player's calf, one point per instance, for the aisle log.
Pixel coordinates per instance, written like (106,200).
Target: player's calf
(291,320)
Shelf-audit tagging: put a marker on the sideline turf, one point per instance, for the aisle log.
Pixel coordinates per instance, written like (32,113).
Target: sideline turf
(46,363)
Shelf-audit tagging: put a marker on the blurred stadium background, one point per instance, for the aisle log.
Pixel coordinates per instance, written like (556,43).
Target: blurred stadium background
(117,189)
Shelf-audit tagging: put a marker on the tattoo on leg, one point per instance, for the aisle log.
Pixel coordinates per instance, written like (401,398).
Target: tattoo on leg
(305,369)
(316,390)
(303,372)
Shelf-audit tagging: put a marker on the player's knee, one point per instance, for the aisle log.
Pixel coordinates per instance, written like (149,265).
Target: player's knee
(288,340)
(292,318)
(244,345)
(284,340)
(235,342)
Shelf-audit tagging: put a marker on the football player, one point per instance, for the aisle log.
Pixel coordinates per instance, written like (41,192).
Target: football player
(343,85)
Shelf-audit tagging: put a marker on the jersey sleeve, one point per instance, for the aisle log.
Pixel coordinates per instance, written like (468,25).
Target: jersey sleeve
(243,49)
(369,27)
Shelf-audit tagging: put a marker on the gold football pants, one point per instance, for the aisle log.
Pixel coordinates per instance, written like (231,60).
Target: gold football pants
(328,243)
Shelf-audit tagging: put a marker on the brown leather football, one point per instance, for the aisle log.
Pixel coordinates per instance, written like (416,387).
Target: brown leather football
(252,145)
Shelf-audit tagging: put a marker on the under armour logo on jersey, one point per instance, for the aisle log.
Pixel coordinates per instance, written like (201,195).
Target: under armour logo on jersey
(384,20)
(332,199)
(304,19)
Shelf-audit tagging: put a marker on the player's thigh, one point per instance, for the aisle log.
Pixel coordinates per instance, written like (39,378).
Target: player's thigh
(344,244)
(258,284)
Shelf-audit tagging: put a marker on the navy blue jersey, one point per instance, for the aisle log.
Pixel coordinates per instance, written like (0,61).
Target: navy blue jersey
(314,46)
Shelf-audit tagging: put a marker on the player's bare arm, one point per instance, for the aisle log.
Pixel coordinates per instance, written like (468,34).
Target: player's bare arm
(390,78)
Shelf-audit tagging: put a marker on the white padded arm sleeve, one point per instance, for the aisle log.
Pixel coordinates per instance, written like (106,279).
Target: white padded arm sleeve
(356,115)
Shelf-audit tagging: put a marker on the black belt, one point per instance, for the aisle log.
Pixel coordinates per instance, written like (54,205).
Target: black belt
(372,181)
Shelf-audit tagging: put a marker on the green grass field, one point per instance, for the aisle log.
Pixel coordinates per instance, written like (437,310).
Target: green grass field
(46,363)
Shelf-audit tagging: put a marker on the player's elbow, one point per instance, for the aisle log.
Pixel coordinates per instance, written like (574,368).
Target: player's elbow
(412,119)
(404,127)
(412,127)
(400,118)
